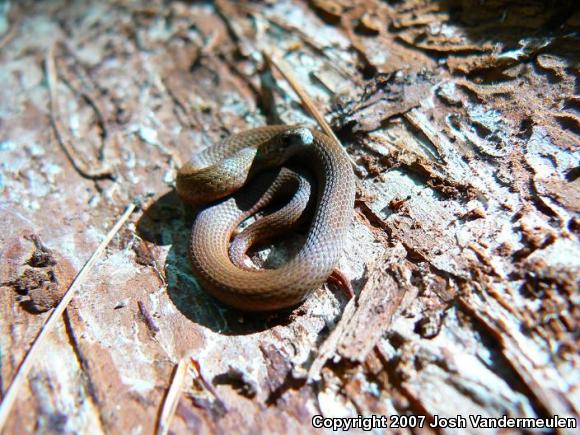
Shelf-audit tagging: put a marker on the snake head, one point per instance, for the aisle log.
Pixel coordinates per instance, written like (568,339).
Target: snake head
(297,136)
(284,145)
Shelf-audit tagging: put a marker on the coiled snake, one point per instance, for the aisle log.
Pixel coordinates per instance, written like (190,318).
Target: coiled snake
(217,255)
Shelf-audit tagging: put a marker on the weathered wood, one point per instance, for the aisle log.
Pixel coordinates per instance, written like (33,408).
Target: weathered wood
(462,118)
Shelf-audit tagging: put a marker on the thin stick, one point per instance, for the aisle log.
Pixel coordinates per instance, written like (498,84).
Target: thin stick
(308,41)
(308,104)
(306,101)
(172,398)
(55,316)
(8,36)
(80,166)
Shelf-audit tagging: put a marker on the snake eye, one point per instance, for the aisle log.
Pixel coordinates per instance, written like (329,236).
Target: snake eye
(306,136)
(298,136)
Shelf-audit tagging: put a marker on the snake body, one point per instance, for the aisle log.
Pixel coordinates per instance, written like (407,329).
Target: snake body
(221,170)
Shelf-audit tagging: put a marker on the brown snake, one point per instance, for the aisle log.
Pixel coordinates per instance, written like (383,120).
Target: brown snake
(222,169)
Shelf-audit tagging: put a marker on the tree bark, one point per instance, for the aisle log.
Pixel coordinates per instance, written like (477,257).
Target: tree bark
(462,119)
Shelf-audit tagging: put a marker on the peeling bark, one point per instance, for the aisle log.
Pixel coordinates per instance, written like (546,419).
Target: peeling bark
(462,118)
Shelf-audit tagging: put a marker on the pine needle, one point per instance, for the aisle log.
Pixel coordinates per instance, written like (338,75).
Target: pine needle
(172,398)
(55,316)
(285,71)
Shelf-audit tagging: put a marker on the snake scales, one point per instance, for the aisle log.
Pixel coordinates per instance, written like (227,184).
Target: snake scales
(221,170)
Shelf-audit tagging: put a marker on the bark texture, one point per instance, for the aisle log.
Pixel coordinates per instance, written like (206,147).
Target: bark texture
(463,119)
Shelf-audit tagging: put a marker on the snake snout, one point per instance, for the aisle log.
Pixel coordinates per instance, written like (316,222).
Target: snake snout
(299,136)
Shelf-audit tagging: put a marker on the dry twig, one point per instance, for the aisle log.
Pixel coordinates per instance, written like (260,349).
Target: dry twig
(306,101)
(172,398)
(26,364)
(8,36)
(80,166)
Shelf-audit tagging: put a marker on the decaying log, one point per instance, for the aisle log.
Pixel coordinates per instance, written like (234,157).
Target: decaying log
(462,120)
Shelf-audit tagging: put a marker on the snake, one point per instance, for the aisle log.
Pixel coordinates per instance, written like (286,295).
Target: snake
(231,181)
